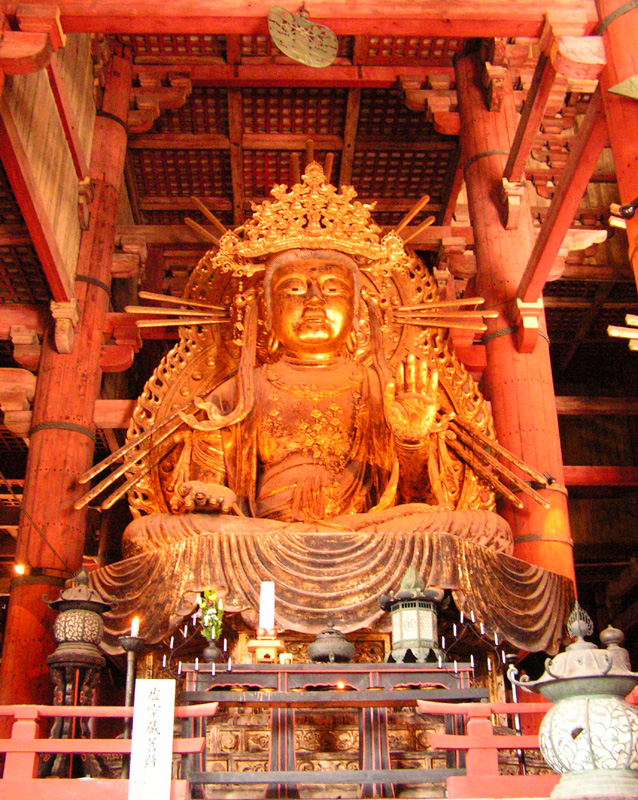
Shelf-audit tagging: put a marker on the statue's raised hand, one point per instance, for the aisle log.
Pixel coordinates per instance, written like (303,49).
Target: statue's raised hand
(203,497)
(410,402)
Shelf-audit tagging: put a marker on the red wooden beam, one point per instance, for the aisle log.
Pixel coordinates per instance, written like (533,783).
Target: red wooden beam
(464,18)
(67,118)
(600,476)
(531,116)
(583,157)
(18,169)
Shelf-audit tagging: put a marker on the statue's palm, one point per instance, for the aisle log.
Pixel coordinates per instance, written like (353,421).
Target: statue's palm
(411,401)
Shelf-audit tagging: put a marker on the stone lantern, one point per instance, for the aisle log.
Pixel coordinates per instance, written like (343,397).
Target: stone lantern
(590,735)
(413,611)
(75,668)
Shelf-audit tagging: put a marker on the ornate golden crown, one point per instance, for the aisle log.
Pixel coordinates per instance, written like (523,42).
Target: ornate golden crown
(313,215)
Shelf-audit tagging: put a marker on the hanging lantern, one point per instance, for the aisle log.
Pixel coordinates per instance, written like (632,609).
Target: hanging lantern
(414,620)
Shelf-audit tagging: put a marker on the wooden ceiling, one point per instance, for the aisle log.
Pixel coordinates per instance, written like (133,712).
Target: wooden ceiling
(219,113)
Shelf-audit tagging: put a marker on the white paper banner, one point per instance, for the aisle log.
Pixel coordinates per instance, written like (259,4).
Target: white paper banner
(152,744)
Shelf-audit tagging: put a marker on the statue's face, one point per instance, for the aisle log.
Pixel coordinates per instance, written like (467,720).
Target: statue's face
(312,303)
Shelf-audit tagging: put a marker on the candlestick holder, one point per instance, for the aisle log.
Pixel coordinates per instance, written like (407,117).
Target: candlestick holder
(131,646)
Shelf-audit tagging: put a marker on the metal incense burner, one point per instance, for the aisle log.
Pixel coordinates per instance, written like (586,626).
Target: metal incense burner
(331,645)
(590,735)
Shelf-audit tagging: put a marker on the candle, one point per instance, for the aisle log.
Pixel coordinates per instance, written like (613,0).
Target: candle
(164,660)
(179,668)
(472,661)
(496,638)
(440,662)
(220,604)
(185,631)
(462,617)
(229,667)
(225,645)
(267,605)
(135,626)
(194,618)
(456,666)
(212,669)
(473,618)
(172,642)
(442,642)
(482,629)
(197,665)
(489,664)
(454,630)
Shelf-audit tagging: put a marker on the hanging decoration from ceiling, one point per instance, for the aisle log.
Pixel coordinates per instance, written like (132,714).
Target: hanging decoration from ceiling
(300,39)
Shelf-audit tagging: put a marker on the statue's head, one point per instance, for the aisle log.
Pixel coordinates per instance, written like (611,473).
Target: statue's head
(312,301)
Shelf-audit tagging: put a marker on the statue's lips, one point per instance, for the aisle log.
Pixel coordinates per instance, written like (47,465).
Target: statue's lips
(314,316)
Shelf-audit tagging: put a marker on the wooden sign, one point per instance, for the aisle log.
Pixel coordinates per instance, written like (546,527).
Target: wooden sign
(152,744)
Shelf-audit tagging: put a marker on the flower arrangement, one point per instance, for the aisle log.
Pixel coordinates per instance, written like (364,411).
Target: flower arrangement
(210,614)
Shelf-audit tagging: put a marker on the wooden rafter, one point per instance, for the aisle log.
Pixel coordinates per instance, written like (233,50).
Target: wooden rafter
(587,320)
(34,211)
(583,156)
(235,114)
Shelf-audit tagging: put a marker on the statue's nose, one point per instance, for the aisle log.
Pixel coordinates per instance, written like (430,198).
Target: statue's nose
(314,293)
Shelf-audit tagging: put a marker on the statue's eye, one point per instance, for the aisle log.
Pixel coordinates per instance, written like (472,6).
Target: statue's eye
(334,286)
(293,286)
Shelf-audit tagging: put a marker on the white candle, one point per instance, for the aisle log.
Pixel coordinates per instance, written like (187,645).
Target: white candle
(473,617)
(489,664)
(267,605)
(197,665)
(212,669)
(472,661)
(482,629)
(225,645)
(135,626)
(179,668)
(172,642)
(496,638)
(440,662)
(194,618)
(454,630)
(462,617)
(442,642)
(164,660)
(185,631)
(228,668)
(456,666)
(220,604)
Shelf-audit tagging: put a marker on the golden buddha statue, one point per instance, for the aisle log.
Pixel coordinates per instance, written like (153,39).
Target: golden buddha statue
(342,448)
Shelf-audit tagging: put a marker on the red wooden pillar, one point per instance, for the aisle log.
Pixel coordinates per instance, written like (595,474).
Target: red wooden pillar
(619,27)
(51,533)
(519,386)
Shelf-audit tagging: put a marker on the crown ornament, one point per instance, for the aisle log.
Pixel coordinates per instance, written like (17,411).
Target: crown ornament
(311,215)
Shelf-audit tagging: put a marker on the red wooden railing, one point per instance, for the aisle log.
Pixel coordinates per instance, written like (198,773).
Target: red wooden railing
(482,778)
(22,749)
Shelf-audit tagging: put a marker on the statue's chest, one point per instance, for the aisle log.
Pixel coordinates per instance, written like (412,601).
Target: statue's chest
(322,422)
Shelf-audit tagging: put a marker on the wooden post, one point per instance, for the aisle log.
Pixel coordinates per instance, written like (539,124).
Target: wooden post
(51,533)
(519,386)
(619,27)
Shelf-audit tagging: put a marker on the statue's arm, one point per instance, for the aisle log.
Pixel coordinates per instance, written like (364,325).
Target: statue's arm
(411,406)
(199,476)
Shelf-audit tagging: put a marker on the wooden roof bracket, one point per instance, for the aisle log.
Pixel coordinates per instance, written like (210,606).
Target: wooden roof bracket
(439,102)
(575,57)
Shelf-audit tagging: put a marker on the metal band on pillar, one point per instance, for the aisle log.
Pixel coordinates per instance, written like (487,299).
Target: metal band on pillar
(119,121)
(484,154)
(64,426)
(619,12)
(93,282)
